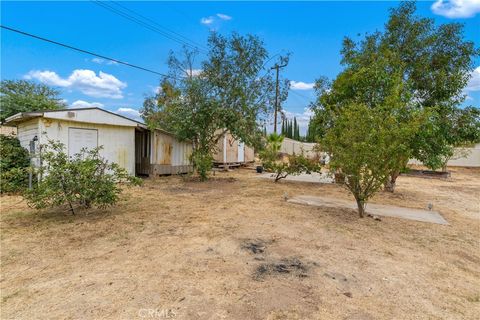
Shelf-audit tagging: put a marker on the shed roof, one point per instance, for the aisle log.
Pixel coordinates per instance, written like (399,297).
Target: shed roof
(88,115)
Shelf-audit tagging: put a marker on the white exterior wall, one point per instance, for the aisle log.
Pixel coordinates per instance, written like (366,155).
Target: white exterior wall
(26,131)
(472,159)
(290,146)
(118,141)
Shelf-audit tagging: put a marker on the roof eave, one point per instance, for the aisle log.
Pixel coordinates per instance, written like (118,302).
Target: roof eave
(22,116)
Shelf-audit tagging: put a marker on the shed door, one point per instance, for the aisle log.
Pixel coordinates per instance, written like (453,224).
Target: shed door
(241,152)
(81,138)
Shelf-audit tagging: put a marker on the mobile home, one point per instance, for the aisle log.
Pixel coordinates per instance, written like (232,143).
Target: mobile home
(126,142)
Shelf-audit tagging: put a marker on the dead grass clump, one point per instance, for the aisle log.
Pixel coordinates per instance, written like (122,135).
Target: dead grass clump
(293,266)
(256,246)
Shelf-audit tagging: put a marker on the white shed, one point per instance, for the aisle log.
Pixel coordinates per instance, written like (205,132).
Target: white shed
(125,141)
(80,128)
(232,152)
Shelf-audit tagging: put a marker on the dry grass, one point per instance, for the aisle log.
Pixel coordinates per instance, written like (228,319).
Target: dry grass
(179,246)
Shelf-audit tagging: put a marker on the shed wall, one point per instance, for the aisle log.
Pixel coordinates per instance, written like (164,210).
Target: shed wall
(26,131)
(169,155)
(227,151)
(118,141)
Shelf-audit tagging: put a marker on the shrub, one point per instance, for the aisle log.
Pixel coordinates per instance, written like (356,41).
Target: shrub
(85,180)
(14,163)
(203,162)
(294,165)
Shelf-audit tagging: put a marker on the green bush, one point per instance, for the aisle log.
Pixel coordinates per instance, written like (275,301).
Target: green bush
(14,164)
(85,180)
(295,165)
(203,162)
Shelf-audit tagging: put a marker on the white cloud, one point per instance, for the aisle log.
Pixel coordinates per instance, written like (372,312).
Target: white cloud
(456,8)
(129,113)
(474,83)
(47,77)
(156,89)
(196,72)
(102,61)
(224,16)
(302,118)
(294,85)
(215,19)
(207,21)
(85,104)
(86,81)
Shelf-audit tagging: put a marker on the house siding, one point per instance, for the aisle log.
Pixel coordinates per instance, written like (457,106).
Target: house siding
(118,142)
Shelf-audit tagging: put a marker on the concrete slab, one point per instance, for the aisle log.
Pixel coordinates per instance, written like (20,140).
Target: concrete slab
(374,209)
(314,177)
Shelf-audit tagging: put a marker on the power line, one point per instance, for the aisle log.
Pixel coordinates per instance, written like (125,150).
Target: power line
(301,95)
(85,51)
(159,25)
(144,24)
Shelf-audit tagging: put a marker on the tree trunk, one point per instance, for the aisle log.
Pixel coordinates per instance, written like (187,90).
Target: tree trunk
(361,208)
(339,177)
(444,167)
(390,184)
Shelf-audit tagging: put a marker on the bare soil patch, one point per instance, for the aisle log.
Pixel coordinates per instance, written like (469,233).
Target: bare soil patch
(284,266)
(233,248)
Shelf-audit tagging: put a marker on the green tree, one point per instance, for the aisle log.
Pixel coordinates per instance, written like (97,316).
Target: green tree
(432,63)
(24,96)
(14,164)
(85,180)
(364,145)
(464,131)
(232,93)
(295,128)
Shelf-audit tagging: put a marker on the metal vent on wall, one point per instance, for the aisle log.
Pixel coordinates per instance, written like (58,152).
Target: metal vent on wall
(71,114)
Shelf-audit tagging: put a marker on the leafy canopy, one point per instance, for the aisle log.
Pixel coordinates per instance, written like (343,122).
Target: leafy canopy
(14,164)
(24,96)
(364,145)
(232,92)
(433,64)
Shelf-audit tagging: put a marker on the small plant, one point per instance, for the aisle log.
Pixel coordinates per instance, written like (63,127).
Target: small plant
(84,180)
(293,165)
(14,165)
(203,162)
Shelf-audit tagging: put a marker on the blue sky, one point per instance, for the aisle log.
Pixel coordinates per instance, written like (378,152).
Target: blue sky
(311,31)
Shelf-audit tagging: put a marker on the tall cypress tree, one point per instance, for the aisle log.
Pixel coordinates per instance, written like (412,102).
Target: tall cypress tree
(295,127)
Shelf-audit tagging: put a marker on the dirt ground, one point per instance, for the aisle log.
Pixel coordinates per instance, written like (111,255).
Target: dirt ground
(233,248)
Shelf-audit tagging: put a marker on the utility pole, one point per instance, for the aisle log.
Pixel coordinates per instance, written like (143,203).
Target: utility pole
(276,67)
